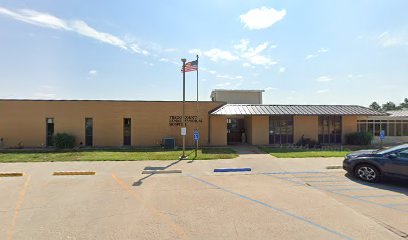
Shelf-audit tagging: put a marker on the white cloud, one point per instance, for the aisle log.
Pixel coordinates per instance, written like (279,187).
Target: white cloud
(216,54)
(135,48)
(324,79)
(322,50)
(310,56)
(78,26)
(242,45)
(170,50)
(270,88)
(282,69)
(82,28)
(226,84)
(352,76)
(386,39)
(322,91)
(247,65)
(260,18)
(92,72)
(204,69)
(229,77)
(250,55)
(164,60)
(36,18)
(318,53)
(254,57)
(273,46)
(148,64)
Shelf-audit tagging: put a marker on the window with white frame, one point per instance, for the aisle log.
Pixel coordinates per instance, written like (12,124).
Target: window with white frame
(393,128)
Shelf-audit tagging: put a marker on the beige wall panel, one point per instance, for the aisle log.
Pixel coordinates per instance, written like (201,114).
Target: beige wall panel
(307,126)
(349,125)
(239,97)
(218,130)
(260,130)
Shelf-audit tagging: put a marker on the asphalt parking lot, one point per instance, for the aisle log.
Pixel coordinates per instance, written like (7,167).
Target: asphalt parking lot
(271,202)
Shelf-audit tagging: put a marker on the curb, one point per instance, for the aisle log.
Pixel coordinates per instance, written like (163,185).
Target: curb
(72,173)
(334,167)
(232,169)
(12,174)
(161,171)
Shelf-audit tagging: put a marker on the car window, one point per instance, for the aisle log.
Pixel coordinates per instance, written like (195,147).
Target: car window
(392,149)
(404,154)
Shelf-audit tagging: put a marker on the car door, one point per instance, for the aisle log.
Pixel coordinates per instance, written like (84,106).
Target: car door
(398,164)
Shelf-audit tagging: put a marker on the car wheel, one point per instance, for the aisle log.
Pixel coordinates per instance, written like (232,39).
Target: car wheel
(367,172)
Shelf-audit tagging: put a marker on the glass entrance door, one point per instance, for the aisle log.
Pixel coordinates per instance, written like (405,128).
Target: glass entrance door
(235,128)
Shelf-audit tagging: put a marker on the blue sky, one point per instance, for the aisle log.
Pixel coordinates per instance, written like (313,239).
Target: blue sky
(300,52)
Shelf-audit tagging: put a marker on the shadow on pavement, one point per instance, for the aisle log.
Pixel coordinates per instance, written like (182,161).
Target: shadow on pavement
(395,185)
(140,181)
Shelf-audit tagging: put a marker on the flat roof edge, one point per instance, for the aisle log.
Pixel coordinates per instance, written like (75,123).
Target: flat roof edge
(345,114)
(99,100)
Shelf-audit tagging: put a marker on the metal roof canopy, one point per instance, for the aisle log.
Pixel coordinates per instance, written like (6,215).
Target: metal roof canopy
(263,109)
(398,113)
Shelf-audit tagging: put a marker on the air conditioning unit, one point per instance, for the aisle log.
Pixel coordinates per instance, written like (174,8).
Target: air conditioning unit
(169,143)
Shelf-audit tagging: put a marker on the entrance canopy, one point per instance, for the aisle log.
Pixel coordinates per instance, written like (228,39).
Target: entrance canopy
(261,109)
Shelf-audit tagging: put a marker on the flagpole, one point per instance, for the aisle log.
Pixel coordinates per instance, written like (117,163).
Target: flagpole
(183,156)
(198,114)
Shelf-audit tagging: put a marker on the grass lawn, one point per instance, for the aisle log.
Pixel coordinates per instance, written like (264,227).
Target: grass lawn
(113,155)
(302,153)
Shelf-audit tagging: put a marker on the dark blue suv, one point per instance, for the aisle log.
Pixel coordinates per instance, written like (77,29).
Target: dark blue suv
(372,165)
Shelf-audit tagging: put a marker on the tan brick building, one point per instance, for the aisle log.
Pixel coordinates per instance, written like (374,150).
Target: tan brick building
(32,123)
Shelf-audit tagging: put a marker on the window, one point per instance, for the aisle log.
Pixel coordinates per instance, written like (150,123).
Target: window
(361,126)
(404,154)
(330,129)
(280,129)
(391,127)
(405,128)
(127,129)
(398,127)
(377,128)
(49,132)
(88,132)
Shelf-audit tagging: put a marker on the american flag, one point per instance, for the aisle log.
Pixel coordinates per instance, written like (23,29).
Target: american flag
(191,66)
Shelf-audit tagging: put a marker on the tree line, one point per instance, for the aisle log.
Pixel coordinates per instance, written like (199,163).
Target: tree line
(389,106)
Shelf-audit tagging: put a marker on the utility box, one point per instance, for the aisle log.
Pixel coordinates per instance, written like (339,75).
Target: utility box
(169,143)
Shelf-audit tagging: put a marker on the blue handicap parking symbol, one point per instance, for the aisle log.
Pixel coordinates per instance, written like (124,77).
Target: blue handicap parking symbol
(196,135)
(382,134)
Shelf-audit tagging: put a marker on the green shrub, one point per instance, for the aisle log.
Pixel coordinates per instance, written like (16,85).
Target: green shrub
(359,138)
(307,141)
(64,140)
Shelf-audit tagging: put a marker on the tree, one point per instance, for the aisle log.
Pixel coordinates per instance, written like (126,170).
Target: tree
(404,104)
(389,106)
(375,106)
